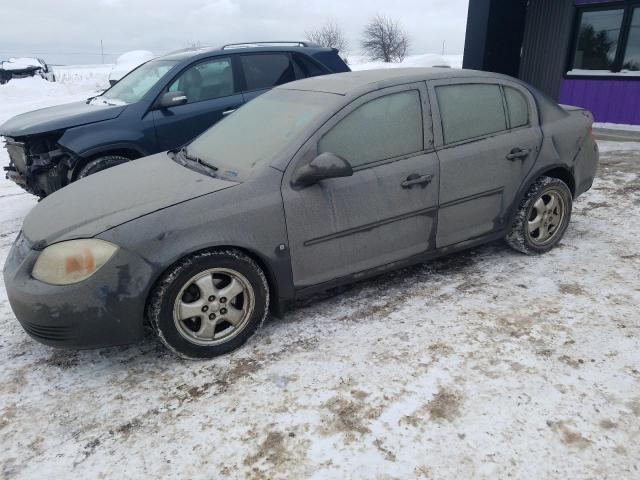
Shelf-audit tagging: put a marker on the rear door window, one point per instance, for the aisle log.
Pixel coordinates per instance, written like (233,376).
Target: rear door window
(386,127)
(470,111)
(266,70)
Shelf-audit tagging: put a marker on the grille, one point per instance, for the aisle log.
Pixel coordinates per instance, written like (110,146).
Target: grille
(17,154)
(55,333)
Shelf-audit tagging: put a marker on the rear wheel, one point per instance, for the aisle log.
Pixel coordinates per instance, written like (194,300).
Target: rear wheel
(101,163)
(542,218)
(209,303)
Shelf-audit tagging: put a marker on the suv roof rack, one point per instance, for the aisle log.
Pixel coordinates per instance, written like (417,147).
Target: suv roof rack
(295,43)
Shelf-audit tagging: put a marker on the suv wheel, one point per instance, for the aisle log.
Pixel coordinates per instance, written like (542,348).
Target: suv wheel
(209,303)
(101,163)
(542,218)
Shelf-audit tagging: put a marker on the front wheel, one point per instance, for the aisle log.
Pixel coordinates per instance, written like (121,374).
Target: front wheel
(542,218)
(101,163)
(209,303)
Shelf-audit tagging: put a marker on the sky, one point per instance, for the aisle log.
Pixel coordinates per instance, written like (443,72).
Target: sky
(70,31)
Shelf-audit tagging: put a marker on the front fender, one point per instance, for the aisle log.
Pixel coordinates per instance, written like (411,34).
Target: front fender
(249,216)
(89,140)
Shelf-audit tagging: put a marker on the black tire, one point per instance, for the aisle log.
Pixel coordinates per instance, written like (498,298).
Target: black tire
(163,301)
(521,238)
(101,163)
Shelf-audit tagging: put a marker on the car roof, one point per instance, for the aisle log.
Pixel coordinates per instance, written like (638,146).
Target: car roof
(204,52)
(359,82)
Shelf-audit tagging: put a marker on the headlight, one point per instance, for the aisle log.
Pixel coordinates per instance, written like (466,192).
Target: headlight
(72,261)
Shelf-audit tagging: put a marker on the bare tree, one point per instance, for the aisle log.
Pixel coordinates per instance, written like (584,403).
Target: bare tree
(328,35)
(384,39)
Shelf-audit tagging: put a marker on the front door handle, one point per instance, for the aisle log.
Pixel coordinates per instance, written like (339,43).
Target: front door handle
(517,153)
(228,112)
(415,179)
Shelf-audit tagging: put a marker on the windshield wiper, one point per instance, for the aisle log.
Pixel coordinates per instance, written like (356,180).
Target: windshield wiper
(193,158)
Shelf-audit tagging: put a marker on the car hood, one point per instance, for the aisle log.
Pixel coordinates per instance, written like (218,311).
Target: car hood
(115,196)
(58,118)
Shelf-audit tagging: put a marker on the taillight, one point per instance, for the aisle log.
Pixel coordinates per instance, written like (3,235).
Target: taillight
(593,139)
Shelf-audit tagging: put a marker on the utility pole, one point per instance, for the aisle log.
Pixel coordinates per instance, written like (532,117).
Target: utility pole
(102,50)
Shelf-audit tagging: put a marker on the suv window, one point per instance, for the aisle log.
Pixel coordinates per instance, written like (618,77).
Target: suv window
(470,111)
(383,128)
(266,70)
(206,80)
(518,107)
(305,68)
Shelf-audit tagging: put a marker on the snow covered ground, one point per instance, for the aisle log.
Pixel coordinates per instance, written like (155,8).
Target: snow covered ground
(486,364)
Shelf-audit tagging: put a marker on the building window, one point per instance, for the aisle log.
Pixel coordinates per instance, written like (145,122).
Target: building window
(632,55)
(607,40)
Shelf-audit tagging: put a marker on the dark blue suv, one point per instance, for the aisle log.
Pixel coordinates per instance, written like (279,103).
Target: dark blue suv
(159,106)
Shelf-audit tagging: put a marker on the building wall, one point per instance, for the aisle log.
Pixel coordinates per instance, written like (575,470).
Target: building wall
(547,37)
(610,100)
(546,40)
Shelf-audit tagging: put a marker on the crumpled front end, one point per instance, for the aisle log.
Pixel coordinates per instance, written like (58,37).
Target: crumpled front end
(38,164)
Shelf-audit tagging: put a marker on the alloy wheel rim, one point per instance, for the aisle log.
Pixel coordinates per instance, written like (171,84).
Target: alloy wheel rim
(546,218)
(213,307)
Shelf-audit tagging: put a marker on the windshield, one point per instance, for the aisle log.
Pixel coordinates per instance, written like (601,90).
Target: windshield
(260,130)
(132,87)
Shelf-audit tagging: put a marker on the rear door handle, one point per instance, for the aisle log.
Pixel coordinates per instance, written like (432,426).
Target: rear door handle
(415,179)
(518,153)
(228,112)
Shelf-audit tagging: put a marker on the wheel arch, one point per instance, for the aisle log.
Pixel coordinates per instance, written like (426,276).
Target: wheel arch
(275,305)
(559,171)
(130,151)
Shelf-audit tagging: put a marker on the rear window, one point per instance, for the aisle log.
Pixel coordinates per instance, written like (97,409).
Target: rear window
(267,70)
(470,111)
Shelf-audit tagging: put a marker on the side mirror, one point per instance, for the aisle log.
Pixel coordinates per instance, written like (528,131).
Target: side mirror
(171,99)
(325,165)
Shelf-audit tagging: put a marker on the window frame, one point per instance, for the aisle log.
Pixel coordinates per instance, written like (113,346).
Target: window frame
(382,160)
(628,6)
(438,129)
(176,76)
(243,79)
(309,149)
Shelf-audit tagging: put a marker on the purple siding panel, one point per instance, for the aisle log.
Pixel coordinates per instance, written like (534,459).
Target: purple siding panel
(587,2)
(615,101)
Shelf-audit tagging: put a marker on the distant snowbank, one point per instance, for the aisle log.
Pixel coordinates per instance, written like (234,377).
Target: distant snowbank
(357,62)
(24,94)
(84,76)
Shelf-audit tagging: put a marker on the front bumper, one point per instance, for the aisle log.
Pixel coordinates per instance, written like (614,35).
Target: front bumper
(105,310)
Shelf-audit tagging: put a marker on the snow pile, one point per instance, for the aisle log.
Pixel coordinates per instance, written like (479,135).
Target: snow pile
(425,60)
(85,77)
(128,61)
(617,126)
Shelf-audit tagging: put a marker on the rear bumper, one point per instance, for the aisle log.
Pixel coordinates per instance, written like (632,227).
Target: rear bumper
(105,310)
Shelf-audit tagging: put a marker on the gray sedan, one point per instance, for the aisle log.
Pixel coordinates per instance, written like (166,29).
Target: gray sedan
(316,183)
